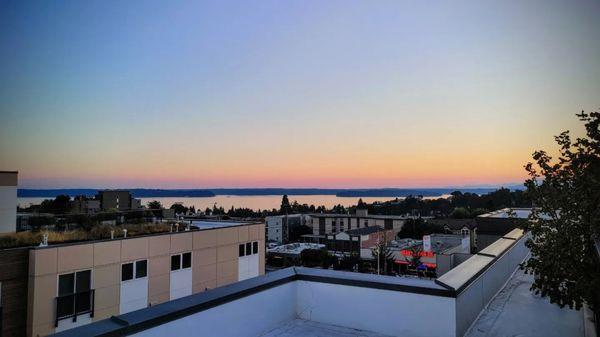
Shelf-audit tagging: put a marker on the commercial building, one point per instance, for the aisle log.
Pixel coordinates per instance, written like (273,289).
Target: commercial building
(324,224)
(438,253)
(485,228)
(360,241)
(279,227)
(8,201)
(304,301)
(47,289)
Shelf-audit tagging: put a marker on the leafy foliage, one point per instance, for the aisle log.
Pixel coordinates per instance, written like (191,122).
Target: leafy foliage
(154,204)
(416,228)
(566,193)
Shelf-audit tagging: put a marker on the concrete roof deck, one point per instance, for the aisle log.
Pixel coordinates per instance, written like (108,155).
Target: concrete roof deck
(516,311)
(303,328)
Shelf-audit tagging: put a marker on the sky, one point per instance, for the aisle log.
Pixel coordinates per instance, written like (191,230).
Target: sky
(339,94)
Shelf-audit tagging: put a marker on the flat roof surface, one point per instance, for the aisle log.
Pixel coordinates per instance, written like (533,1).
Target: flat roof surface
(516,311)
(462,273)
(218,224)
(517,213)
(302,328)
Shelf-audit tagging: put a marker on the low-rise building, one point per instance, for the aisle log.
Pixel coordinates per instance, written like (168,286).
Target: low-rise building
(51,288)
(279,227)
(84,205)
(438,252)
(360,241)
(120,200)
(8,201)
(292,251)
(323,224)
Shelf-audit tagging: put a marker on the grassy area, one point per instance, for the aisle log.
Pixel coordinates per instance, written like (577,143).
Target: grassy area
(98,232)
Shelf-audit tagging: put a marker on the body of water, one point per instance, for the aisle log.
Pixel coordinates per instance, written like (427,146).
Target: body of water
(254,202)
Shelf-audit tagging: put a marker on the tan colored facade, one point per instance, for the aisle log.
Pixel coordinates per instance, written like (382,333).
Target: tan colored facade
(333,225)
(214,263)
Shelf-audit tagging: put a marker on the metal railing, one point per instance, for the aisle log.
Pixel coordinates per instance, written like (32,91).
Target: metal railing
(72,305)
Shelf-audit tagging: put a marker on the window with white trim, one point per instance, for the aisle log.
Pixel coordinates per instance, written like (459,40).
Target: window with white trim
(134,270)
(248,248)
(181,261)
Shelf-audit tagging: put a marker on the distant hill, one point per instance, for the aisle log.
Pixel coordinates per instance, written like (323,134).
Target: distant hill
(137,193)
(197,193)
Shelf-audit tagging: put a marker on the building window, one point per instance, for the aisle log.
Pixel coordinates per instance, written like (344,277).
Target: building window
(175,262)
(141,268)
(248,248)
(74,294)
(366,223)
(126,272)
(181,261)
(186,260)
(131,270)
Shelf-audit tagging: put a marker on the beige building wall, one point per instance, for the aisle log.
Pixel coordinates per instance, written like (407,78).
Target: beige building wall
(214,263)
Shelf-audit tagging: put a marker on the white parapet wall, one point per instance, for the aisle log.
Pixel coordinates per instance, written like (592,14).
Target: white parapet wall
(8,202)
(479,279)
(388,312)
(394,306)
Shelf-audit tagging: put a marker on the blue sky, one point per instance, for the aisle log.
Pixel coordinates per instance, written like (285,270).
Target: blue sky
(289,93)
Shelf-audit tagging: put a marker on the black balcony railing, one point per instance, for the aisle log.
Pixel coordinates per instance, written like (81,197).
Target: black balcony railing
(72,305)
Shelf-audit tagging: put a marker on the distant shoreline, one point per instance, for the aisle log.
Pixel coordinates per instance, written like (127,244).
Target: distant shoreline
(199,193)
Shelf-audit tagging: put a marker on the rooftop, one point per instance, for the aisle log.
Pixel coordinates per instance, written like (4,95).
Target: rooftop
(103,233)
(516,213)
(364,230)
(303,328)
(516,311)
(311,302)
(295,248)
(369,216)
(200,224)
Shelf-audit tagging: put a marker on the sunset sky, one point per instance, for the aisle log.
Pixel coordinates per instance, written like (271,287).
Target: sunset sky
(344,94)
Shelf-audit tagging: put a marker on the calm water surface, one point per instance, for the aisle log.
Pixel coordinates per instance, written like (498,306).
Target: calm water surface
(253,202)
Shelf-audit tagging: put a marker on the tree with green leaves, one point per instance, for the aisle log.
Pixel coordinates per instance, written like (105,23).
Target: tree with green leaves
(285,208)
(566,218)
(383,254)
(154,204)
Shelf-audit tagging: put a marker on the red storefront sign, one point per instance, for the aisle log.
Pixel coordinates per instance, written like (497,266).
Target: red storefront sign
(406,252)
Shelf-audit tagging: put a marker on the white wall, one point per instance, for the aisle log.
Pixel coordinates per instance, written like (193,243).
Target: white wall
(8,209)
(478,294)
(67,323)
(247,267)
(388,312)
(181,283)
(133,295)
(249,316)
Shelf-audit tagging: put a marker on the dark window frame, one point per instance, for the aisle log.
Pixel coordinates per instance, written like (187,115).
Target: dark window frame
(76,301)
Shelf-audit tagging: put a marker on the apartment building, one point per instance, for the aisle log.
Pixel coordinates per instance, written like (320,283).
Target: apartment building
(121,200)
(8,201)
(485,295)
(323,224)
(278,227)
(53,288)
